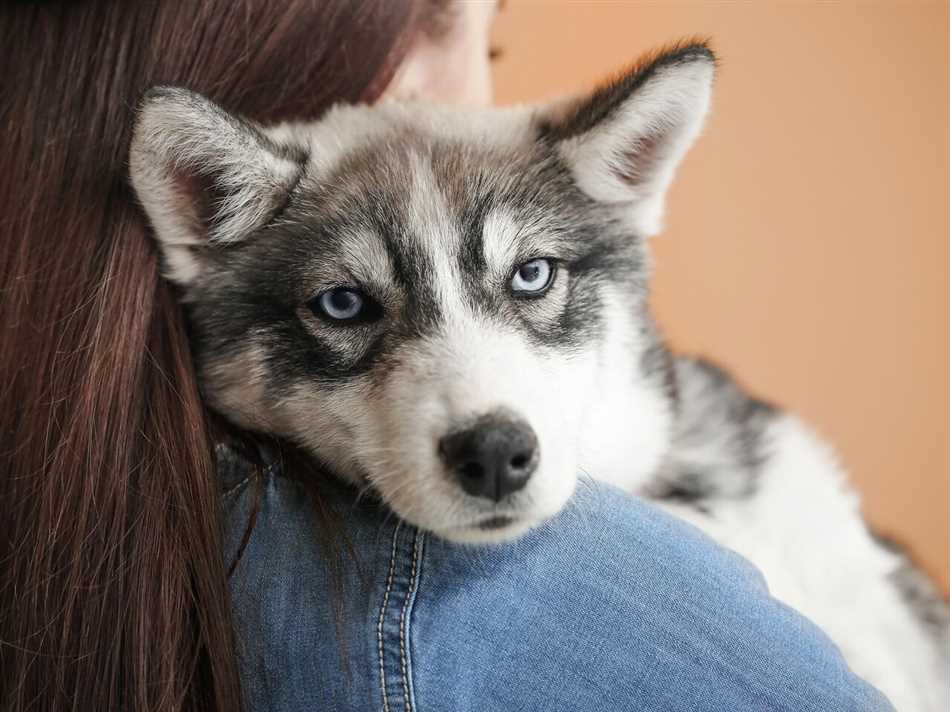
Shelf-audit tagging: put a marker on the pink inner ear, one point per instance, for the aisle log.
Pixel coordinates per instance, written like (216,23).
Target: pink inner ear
(639,161)
(197,197)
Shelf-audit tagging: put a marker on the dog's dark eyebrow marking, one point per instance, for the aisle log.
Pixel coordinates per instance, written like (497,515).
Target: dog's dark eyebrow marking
(471,223)
(412,267)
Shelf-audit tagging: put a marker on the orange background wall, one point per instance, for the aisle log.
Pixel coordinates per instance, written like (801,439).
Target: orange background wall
(807,240)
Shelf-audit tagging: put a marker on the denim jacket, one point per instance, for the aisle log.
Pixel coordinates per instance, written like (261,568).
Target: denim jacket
(611,605)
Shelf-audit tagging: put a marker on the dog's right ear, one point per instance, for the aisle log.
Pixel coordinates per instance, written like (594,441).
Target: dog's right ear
(205,178)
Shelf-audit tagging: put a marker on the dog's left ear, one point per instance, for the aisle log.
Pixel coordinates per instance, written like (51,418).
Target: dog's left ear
(624,141)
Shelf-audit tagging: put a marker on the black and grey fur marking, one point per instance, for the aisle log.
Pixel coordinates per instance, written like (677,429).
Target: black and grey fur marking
(718,445)
(919,592)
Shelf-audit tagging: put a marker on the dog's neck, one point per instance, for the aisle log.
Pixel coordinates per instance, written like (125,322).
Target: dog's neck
(628,433)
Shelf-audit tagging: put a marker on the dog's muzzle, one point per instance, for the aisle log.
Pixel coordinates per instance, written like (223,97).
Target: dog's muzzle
(493,457)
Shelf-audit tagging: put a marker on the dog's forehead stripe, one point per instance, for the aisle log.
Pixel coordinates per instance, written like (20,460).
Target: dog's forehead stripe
(434,229)
(402,205)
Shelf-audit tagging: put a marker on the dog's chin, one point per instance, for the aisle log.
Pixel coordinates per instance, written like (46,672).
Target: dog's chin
(490,530)
(488,527)
(437,505)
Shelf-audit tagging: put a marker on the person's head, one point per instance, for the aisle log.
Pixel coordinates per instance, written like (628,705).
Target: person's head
(448,61)
(113,591)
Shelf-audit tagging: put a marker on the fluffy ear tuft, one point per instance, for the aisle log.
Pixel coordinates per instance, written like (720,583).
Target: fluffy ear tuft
(624,140)
(205,178)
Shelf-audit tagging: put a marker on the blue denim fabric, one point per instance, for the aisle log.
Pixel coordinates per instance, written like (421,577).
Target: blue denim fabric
(612,605)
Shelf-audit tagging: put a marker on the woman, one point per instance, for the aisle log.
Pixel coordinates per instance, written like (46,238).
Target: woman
(114,591)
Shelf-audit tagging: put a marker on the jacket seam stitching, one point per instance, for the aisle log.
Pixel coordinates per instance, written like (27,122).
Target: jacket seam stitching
(382,616)
(404,622)
(234,488)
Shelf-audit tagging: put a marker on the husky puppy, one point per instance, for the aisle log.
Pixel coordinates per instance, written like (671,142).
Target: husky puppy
(451,309)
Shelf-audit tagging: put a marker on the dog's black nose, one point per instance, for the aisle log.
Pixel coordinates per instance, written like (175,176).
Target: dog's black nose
(493,458)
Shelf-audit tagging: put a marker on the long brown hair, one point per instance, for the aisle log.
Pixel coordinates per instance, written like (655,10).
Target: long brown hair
(113,590)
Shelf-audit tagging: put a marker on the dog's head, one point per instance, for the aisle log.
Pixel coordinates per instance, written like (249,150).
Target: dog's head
(448,307)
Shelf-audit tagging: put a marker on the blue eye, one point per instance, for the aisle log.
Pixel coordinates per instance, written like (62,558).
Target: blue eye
(533,277)
(341,304)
